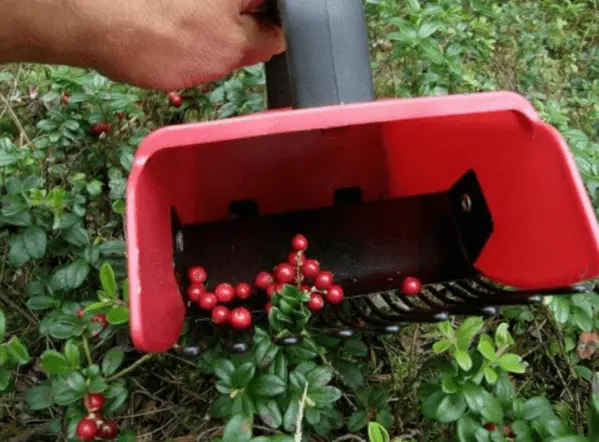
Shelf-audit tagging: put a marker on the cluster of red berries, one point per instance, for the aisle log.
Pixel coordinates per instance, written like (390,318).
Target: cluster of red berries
(297,271)
(98,318)
(224,293)
(94,425)
(101,128)
(175,99)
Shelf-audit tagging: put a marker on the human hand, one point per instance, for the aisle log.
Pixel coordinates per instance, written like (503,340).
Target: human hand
(159,44)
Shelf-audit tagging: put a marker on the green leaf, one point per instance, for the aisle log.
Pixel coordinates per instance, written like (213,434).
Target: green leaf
(39,398)
(313,416)
(71,276)
(582,319)
(280,366)
(2,325)
(355,347)
(108,280)
(385,417)
(39,303)
(243,375)
(269,412)
(441,346)
(128,436)
(94,188)
(490,375)
(224,369)
(512,363)
(112,361)
(357,421)
(569,439)
(377,433)
(378,397)
(238,429)
(451,408)
(319,376)
(466,332)
(463,359)
(222,407)
(446,329)
(535,407)
(72,353)
(350,373)
(97,385)
(449,386)
(17,255)
(55,363)
(290,418)
(467,427)
(486,349)
(414,6)
(118,315)
(35,242)
(522,431)
(76,382)
(268,385)
(428,29)
(491,409)
(431,404)
(17,351)
(113,248)
(324,395)
(561,309)
(242,405)
(474,395)
(4,379)
(64,393)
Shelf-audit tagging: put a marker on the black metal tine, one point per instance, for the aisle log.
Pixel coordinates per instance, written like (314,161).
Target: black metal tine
(441,294)
(503,297)
(393,328)
(416,315)
(377,316)
(392,305)
(471,305)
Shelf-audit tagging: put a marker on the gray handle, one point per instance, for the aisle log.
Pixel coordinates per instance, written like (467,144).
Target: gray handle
(327,58)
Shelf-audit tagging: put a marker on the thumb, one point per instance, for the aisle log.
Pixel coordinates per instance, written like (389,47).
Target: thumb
(264,39)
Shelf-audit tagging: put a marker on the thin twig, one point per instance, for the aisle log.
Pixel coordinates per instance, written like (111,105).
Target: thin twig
(131,368)
(559,373)
(349,437)
(32,435)
(88,353)
(560,343)
(16,122)
(300,416)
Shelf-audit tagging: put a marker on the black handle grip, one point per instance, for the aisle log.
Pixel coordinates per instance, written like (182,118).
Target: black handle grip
(327,58)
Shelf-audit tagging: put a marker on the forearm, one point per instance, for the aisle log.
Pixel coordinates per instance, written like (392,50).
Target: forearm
(51,31)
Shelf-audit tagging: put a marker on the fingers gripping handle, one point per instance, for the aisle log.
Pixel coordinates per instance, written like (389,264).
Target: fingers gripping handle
(327,59)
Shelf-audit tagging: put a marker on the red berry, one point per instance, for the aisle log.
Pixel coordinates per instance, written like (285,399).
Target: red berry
(316,302)
(120,115)
(194,291)
(263,280)
(270,290)
(87,429)
(65,98)
(294,257)
(220,315)
(197,274)
(279,288)
(224,292)
(306,287)
(335,294)
(100,318)
(96,417)
(175,99)
(93,402)
(324,280)
(268,307)
(490,427)
(411,286)
(108,430)
(207,301)
(285,273)
(243,290)
(80,313)
(241,318)
(310,268)
(299,243)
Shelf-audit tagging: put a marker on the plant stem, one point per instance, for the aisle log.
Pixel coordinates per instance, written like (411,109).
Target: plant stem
(132,367)
(88,353)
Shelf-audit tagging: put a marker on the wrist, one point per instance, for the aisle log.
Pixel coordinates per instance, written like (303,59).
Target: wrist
(52,32)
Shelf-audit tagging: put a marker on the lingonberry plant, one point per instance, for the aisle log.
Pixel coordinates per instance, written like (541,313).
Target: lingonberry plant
(67,140)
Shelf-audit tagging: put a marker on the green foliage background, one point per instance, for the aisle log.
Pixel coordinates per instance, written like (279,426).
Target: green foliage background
(61,249)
